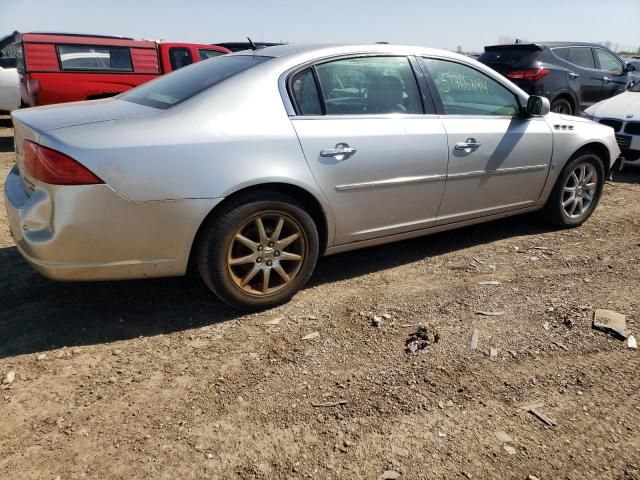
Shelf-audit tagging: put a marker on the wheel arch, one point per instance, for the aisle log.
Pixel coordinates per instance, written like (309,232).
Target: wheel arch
(599,149)
(566,95)
(311,203)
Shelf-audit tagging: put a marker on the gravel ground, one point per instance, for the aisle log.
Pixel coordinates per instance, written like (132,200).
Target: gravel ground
(156,379)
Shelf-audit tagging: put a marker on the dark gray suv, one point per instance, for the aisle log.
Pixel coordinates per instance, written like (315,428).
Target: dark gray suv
(572,75)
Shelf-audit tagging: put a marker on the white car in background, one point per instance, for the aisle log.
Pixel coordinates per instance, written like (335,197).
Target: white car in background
(9,86)
(622,113)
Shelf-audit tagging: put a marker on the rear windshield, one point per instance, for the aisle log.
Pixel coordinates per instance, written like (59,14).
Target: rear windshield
(513,57)
(176,87)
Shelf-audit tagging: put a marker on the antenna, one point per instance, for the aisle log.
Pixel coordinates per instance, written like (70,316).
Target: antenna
(251,44)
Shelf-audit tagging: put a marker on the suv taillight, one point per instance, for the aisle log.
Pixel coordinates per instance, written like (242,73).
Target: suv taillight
(33,91)
(532,74)
(51,166)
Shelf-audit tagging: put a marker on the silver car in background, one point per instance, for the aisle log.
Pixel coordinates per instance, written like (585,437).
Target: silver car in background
(252,165)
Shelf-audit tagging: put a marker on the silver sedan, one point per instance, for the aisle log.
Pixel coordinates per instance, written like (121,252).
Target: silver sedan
(254,164)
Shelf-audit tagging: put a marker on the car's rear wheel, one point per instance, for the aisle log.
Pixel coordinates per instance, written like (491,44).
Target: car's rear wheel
(259,251)
(562,105)
(576,192)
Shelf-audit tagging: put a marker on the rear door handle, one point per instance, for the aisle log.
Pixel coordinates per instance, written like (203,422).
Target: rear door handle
(573,75)
(470,144)
(340,153)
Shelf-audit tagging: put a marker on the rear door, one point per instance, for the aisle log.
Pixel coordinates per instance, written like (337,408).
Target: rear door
(583,77)
(615,78)
(498,159)
(380,161)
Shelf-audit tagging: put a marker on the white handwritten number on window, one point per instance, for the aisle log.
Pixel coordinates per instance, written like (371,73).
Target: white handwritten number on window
(451,82)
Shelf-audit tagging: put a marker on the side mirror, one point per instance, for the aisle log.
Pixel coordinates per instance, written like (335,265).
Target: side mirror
(538,106)
(630,68)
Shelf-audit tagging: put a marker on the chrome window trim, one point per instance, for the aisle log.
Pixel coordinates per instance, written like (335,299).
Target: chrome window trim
(368,116)
(578,66)
(283,81)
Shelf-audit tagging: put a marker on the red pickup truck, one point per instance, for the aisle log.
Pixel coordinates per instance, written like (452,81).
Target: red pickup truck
(57,67)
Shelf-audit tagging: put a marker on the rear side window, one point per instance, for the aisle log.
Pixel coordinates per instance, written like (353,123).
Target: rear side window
(176,87)
(305,93)
(466,91)
(582,57)
(179,57)
(205,54)
(98,58)
(369,85)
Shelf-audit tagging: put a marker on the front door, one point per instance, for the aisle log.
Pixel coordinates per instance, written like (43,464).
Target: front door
(615,77)
(378,158)
(498,160)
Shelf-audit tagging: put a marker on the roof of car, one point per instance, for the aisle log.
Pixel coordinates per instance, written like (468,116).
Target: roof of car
(542,45)
(67,34)
(338,49)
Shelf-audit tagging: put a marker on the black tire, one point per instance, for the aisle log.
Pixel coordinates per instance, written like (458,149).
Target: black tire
(554,211)
(563,106)
(216,241)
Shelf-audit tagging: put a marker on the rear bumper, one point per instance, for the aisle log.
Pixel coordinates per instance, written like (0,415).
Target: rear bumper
(91,233)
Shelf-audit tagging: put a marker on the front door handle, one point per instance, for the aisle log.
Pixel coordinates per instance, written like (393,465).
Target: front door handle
(340,153)
(470,144)
(607,79)
(573,75)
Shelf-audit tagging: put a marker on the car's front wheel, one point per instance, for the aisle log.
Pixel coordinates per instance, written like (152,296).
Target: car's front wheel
(259,251)
(576,192)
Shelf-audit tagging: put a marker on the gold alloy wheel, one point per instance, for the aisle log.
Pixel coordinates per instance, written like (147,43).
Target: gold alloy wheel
(266,253)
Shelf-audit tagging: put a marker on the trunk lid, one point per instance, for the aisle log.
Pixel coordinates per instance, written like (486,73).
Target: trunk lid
(53,117)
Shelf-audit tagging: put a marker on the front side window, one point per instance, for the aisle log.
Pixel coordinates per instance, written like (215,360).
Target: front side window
(179,57)
(369,85)
(305,93)
(176,87)
(205,54)
(582,57)
(466,91)
(86,57)
(608,62)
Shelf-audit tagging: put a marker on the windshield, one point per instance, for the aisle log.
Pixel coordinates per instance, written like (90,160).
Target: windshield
(174,88)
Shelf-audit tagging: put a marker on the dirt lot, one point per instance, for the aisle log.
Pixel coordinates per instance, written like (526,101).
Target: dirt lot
(157,379)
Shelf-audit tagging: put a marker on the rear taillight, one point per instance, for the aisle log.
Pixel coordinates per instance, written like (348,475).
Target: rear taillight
(33,91)
(532,74)
(51,166)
